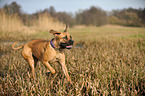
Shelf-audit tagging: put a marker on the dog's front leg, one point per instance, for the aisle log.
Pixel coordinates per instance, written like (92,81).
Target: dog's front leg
(48,66)
(64,68)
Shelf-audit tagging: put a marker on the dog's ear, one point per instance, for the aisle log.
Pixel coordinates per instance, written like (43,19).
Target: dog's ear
(66,28)
(54,32)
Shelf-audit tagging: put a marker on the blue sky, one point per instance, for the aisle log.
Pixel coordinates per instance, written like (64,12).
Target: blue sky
(31,6)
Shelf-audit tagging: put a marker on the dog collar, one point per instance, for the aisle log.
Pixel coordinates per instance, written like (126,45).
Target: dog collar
(51,43)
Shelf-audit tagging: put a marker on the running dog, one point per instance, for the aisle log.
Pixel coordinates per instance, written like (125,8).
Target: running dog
(48,51)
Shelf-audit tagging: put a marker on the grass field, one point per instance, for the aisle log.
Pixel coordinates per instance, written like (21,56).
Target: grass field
(104,61)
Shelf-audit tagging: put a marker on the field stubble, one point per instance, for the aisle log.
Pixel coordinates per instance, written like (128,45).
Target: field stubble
(104,66)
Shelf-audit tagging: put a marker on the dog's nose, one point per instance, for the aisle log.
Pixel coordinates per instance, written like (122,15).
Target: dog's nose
(71,42)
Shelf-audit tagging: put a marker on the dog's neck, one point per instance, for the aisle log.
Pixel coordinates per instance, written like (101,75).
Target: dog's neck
(55,45)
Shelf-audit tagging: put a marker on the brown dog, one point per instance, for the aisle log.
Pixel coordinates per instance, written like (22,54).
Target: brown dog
(48,51)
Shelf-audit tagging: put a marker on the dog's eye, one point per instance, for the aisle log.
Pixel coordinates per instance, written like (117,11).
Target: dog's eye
(65,37)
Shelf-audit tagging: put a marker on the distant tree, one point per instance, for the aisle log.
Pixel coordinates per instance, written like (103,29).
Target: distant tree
(6,9)
(64,17)
(93,16)
(112,19)
(51,10)
(143,17)
(128,17)
(13,8)
(45,11)
(131,19)
(79,17)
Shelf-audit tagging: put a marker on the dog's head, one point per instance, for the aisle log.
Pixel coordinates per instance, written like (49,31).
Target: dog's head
(64,39)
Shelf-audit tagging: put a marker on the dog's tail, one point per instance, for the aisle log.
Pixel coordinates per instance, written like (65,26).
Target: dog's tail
(16,47)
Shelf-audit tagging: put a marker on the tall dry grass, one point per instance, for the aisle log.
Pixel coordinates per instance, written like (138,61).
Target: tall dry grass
(10,23)
(12,27)
(45,22)
(13,24)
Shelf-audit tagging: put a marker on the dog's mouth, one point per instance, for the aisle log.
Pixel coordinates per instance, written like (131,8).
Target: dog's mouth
(67,45)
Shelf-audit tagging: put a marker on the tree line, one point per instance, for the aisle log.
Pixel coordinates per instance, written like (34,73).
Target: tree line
(93,16)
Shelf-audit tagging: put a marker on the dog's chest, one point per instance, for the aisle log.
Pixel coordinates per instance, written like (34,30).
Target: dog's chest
(51,56)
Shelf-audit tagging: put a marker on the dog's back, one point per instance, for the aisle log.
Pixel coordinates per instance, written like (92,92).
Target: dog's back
(37,47)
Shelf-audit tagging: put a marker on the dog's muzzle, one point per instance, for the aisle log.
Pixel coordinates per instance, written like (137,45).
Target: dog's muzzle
(67,45)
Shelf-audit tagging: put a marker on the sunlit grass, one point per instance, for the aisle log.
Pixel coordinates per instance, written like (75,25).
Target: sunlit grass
(105,61)
(95,33)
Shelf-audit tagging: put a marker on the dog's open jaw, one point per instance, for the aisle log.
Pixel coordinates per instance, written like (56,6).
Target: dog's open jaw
(62,46)
(69,47)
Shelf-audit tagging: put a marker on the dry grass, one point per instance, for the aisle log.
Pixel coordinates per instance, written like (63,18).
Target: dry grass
(12,27)
(10,23)
(106,67)
(45,23)
(101,64)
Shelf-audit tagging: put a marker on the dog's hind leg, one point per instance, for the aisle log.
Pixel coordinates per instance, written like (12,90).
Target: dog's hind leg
(31,63)
(35,60)
(27,54)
